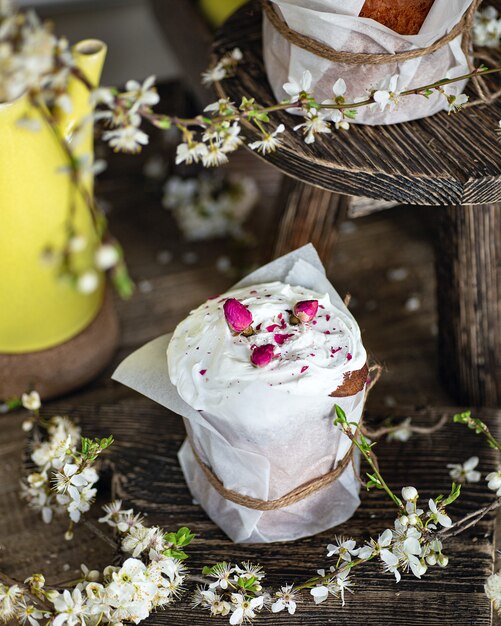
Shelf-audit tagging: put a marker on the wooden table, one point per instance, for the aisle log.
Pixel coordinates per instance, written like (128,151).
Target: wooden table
(143,459)
(452,161)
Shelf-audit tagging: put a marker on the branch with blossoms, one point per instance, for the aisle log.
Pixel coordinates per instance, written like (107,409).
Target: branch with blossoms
(154,575)
(64,474)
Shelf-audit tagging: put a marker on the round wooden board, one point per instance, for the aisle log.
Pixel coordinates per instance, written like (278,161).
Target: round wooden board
(443,160)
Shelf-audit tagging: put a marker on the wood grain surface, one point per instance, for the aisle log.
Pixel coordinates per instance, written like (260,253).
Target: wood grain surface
(439,160)
(386,262)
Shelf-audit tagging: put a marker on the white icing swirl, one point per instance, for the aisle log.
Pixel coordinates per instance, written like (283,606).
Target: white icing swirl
(211,367)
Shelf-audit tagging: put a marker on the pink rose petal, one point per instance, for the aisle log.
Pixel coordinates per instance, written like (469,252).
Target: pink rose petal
(281,339)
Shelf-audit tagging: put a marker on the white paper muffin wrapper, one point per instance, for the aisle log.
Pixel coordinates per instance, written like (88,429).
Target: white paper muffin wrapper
(337,24)
(274,460)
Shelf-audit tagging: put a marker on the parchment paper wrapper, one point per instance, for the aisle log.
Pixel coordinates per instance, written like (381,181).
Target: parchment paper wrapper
(265,457)
(336,23)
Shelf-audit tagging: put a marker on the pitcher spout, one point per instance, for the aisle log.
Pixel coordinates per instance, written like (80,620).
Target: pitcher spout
(89,56)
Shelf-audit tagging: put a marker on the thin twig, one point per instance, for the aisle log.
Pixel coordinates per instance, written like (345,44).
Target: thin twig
(420,430)
(469,520)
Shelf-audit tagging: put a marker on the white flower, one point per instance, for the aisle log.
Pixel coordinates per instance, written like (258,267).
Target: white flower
(334,585)
(126,139)
(222,106)
(269,142)
(31,401)
(28,614)
(69,608)
(214,156)
(390,561)
(336,115)
(102,95)
(403,432)
(456,102)
(230,138)
(244,609)
(139,539)
(88,282)
(494,481)
(214,74)
(487,28)
(190,152)
(9,597)
(249,570)
(215,603)
(315,122)
(106,256)
(493,590)
(142,95)
(81,505)
(409,494)
(286,600)
(465,472)
(345,548)
(71,480)
(295,88)
(234,55)
(343,583)
(387,94)
(438,515)
(77,243)
(221,572)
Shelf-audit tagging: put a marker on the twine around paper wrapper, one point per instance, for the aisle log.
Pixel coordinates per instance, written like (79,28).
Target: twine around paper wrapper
(463,27)
(297,494)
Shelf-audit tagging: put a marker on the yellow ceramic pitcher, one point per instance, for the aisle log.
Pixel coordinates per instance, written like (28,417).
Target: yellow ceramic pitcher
(38,310)
(217,11)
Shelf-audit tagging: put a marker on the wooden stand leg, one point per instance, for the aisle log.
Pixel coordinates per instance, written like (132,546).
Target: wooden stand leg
(469,302)
(307,214)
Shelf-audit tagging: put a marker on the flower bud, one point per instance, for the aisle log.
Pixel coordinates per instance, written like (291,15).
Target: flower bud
(107,256)
(263,355)
(431,559)
(421,568)
(404,520)
(305,311)
(409,493)
(238,317)
(31,401)
(443,560)
(413,519)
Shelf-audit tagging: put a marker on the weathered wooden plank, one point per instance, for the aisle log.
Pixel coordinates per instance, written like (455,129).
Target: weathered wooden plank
(144,459)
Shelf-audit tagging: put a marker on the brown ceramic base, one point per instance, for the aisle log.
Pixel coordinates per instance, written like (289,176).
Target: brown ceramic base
(65,367)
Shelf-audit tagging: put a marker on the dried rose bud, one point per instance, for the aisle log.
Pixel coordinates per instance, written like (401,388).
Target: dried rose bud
(304,311)
(263,355)
(238,317)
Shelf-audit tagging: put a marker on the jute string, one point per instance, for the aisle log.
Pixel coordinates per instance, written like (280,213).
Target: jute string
(297,494)
(463,27)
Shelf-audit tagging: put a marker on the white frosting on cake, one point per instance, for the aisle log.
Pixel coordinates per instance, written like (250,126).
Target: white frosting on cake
(211,366)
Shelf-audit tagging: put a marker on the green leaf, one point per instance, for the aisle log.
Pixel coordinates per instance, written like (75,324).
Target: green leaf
(180,555)
(454,494)
(165,123)
(122,281)
(340,416)
(351,113)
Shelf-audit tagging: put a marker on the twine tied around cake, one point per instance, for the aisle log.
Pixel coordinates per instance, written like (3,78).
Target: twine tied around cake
(302,491)
(318,48)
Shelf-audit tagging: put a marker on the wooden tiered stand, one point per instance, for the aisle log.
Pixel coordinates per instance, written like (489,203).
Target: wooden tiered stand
(449,161)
